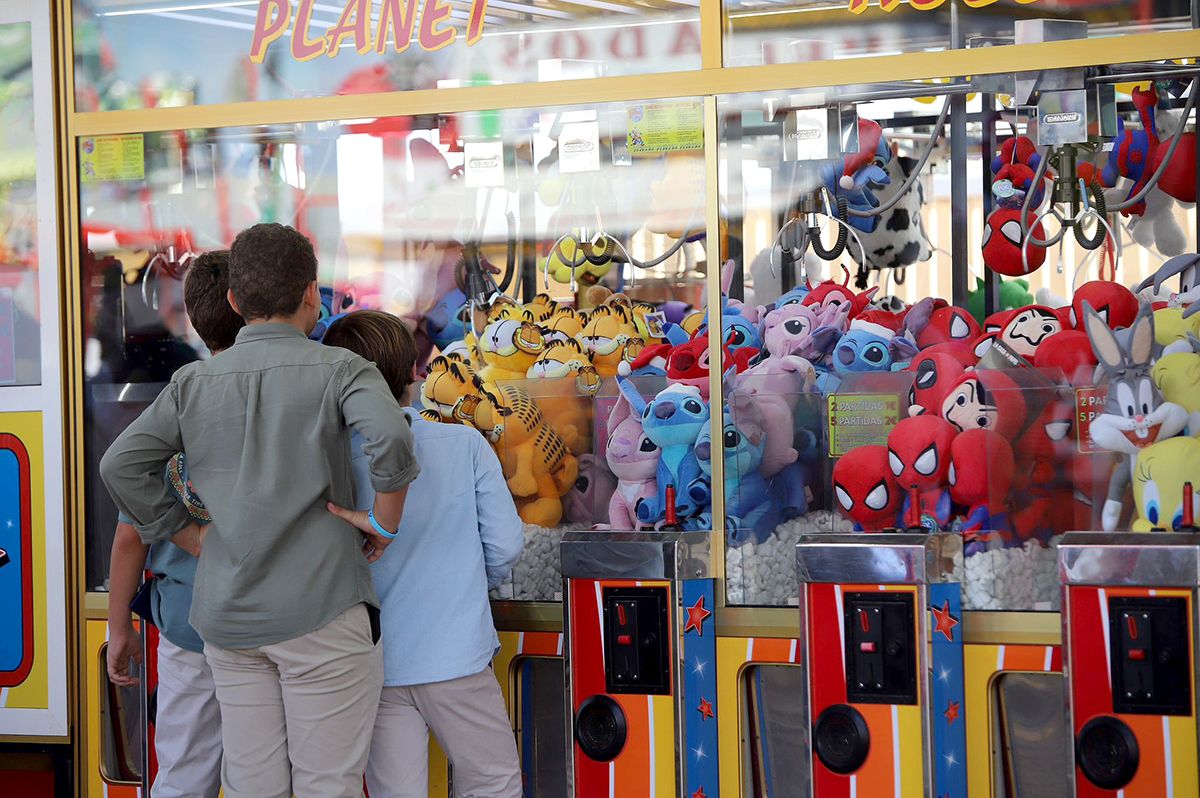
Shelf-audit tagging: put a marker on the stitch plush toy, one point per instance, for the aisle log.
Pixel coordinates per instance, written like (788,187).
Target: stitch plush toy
(866,490)
(445,322)
(750,508)
(1161,478)
(862,173)
(980,477)
(1135,413)
(867,346)
(673,420)
(919,458)
(788,330)
(633,459)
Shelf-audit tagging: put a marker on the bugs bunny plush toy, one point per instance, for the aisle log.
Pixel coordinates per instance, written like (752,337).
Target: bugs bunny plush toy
(1135,413)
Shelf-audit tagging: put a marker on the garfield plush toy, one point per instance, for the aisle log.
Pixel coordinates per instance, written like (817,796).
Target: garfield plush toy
(509,344)
(564,325)
(537,465)
(542,306)
(611,337)
(572,382)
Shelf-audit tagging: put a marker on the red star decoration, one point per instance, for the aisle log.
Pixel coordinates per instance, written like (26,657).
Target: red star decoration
(706,709)
(952,712)
(699,793)
(945,622)
(696,615)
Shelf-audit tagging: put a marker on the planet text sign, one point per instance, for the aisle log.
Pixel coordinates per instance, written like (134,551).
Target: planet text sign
(859,6)
(396,26)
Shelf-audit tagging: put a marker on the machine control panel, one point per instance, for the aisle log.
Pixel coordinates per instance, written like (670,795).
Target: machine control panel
(881,658)
(1151,660)
(637,640)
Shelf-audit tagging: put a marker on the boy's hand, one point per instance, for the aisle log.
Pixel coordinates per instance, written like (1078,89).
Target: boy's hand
(374,543)
(190,538)
(124,643)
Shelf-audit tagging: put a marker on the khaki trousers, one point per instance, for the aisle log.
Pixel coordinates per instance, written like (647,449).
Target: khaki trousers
(187,732)
(296,716)
(470,722)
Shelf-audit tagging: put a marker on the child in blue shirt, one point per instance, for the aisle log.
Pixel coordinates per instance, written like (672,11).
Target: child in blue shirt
(460,535)
(187,738)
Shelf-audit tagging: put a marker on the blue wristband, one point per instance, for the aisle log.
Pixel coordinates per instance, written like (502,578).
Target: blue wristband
(379,527)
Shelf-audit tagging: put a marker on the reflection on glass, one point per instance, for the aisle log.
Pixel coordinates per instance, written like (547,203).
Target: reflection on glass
(776,740)
(20,329)
(535,254)
(793,31)
(127,55)
(121,724)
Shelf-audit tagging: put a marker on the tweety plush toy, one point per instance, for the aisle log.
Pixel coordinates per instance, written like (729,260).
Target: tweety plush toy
(1166,479)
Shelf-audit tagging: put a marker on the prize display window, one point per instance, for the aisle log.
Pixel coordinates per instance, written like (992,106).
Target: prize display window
(524,250)
(852,213)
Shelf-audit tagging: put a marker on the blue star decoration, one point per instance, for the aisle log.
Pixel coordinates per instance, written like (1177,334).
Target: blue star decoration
(696,616)
(944,621)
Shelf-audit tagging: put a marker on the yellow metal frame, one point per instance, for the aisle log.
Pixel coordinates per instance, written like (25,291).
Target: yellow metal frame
(708,82)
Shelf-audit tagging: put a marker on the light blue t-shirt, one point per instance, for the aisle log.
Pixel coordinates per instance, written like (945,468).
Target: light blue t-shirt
(174,569)
(460,534)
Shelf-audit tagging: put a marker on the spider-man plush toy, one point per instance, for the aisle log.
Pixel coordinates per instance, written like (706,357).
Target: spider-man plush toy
(1115,303)
(919,458)
(980,477)
(866,492)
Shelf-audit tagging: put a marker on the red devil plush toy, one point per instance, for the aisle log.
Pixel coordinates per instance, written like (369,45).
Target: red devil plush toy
(866,491)
(1002,243)
(980,477)
(919,458)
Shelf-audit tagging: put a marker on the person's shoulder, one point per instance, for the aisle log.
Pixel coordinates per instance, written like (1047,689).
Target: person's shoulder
(436,431)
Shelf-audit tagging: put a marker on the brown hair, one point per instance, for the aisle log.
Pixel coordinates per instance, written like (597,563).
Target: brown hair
(204,296)
(380,338)
(270,267)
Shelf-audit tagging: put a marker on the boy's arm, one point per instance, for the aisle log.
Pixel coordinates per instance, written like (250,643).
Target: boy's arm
(124,577)
(132,470)
(369,408)
(500,527)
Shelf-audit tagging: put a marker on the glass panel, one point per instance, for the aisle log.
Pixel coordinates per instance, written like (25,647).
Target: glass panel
(542,726)
(121,723)
(127,55)
(1003,393)
(1034,747)
(760,32)
(20,325)
(776,745)
(554,209)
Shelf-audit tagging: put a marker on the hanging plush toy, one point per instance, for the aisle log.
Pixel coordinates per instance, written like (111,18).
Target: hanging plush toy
(1135,413)
(865,489)
(1002,243)
(980,477)
(1166,475)
(919,458)
(863,174)
(900,239)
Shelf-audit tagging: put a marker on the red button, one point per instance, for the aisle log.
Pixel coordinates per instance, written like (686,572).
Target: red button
(1137,654)
(624,640)
(867,647)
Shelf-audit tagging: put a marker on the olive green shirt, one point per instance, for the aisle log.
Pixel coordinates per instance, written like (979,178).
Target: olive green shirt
(265,426)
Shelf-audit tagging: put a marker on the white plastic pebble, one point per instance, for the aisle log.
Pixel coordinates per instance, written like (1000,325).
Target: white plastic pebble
(764,574)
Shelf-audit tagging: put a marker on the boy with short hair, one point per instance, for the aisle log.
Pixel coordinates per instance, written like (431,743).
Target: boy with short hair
(187,739)
(462,538)
(283,597)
